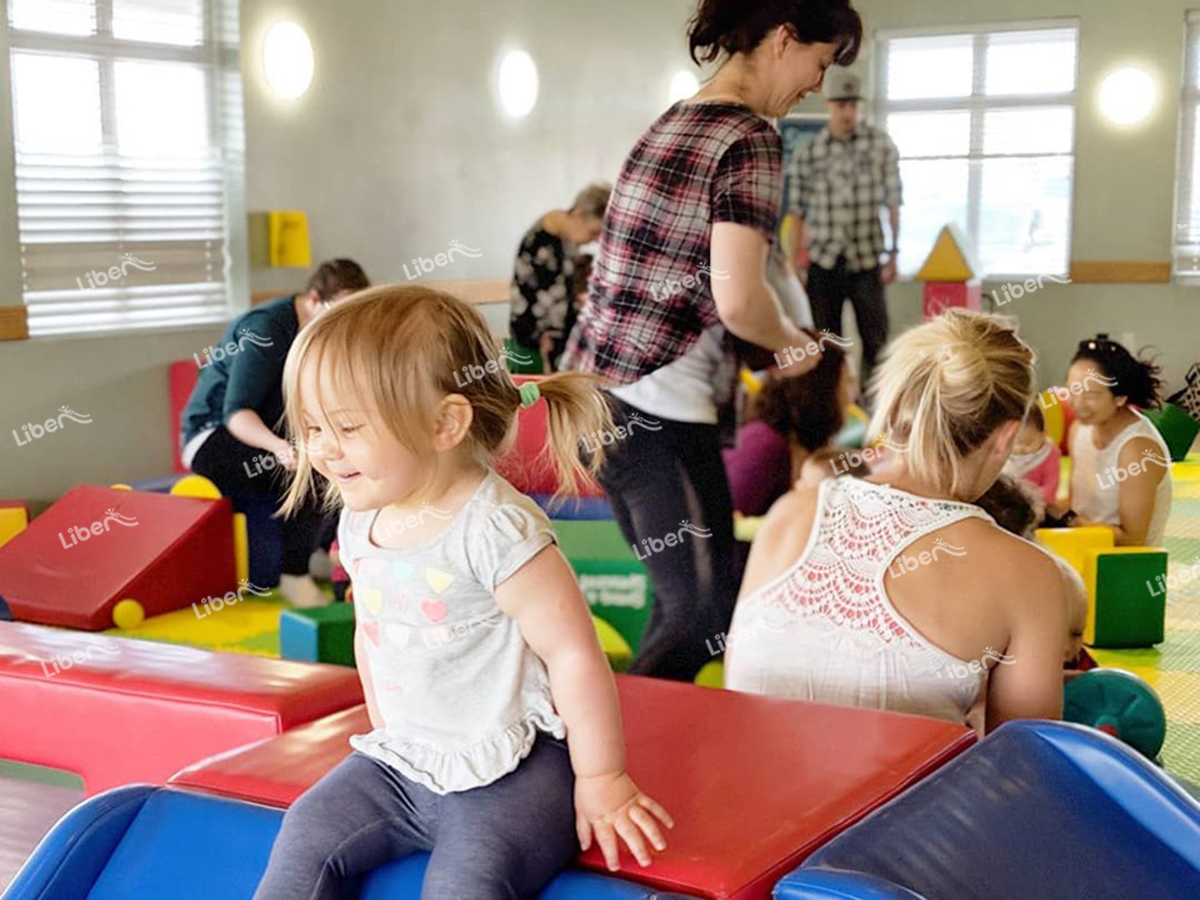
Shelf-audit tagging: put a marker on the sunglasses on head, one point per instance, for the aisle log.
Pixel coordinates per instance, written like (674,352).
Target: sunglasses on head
(1100,344)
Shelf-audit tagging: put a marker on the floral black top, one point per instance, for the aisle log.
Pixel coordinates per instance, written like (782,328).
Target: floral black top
(543,299)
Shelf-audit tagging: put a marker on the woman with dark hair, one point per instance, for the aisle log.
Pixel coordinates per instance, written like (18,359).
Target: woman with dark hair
(679,274)
(792,423)
(1120,465)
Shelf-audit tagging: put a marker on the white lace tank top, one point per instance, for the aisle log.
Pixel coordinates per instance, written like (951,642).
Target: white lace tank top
(825,629)
(1096,477)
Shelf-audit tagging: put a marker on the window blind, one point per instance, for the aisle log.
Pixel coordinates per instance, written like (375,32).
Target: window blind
(129,161)
(1187,180)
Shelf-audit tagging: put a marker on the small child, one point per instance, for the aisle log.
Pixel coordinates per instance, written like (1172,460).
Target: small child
(1035,457)
(787,438)
(475,647)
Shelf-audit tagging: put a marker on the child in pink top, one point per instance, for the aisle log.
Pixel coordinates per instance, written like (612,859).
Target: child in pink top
(1035,458)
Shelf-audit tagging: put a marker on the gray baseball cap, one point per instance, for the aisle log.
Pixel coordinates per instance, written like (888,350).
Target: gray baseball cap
(842,84)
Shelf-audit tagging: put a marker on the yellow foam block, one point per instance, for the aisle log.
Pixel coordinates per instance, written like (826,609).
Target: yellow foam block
(13,520)
(745,528)
(241,547)
(951,259)
(1056,419)
(1072,544)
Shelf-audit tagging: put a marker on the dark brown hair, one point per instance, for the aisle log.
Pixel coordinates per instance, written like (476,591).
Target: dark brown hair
(805,408)
(335,276)
(739,26)
(1136,379)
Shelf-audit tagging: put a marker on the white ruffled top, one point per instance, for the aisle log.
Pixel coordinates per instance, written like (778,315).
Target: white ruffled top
(461,695)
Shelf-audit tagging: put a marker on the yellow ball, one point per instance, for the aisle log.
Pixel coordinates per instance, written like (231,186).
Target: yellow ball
(128,614)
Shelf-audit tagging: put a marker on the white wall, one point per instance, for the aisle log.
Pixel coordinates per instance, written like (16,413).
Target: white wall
(398,149)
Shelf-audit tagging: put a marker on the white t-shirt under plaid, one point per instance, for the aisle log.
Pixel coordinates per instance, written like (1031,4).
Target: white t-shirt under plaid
(839,187)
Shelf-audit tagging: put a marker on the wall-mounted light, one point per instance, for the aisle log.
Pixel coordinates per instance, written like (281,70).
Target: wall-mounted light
(1128,95)
(288,59)
(685,84)
(518,83)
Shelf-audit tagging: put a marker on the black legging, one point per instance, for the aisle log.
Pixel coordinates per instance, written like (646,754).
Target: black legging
(657,481)
(242,471)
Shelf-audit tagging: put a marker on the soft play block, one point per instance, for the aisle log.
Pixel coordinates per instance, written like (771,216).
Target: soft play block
(1072,544)
(117,711)
(1127,596)
(1178,429)
(614,581)
(142,843)
(1037,810)
(526,465)
(952,258)
(325,634)
(181,379)
(755,784)
(940,296)
(98,546)
(14,518)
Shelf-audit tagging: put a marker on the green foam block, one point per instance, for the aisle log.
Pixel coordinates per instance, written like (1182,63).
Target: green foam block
(615,583)
(1177,428)
(325,634)
(1130,598)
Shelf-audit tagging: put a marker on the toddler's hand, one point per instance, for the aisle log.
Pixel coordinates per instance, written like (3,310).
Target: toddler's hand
(609,806)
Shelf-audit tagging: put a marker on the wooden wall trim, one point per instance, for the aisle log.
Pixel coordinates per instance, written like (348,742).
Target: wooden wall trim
(1121,272)
(14,323)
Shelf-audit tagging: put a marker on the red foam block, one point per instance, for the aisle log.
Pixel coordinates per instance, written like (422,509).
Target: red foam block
(525,465)
(940,296)
(119,711)
(755,784)
(181,379)
(164,552)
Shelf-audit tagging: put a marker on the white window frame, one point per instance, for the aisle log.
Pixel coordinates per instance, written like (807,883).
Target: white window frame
(1185,236)
(978,103)
(219,54)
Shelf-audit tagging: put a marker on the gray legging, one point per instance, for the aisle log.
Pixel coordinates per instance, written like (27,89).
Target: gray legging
(506,840)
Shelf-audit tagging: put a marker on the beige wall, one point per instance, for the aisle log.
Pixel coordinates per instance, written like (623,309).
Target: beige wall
(398,149)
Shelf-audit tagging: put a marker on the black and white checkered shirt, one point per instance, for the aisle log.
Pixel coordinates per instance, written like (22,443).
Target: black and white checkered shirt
(839,188)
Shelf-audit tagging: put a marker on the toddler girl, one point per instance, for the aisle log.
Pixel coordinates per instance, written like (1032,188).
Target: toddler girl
(1035,458)
(476,650)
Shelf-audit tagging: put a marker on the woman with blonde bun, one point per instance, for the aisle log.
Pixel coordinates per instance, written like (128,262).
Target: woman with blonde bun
(895,591)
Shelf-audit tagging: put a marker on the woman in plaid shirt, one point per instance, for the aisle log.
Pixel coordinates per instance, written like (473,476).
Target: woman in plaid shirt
(679,274)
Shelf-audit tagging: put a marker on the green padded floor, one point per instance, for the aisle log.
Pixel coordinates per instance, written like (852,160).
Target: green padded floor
(1173,667)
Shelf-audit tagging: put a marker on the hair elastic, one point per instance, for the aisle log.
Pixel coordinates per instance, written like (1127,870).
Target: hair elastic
(530,393)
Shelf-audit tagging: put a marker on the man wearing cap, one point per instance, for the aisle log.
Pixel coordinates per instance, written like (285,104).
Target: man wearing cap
(840,181)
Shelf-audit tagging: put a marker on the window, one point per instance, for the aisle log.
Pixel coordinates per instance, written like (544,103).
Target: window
(1187,203)
(129,162)
(985,125)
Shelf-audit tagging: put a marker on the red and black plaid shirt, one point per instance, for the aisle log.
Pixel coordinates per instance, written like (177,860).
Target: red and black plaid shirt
(650,295)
